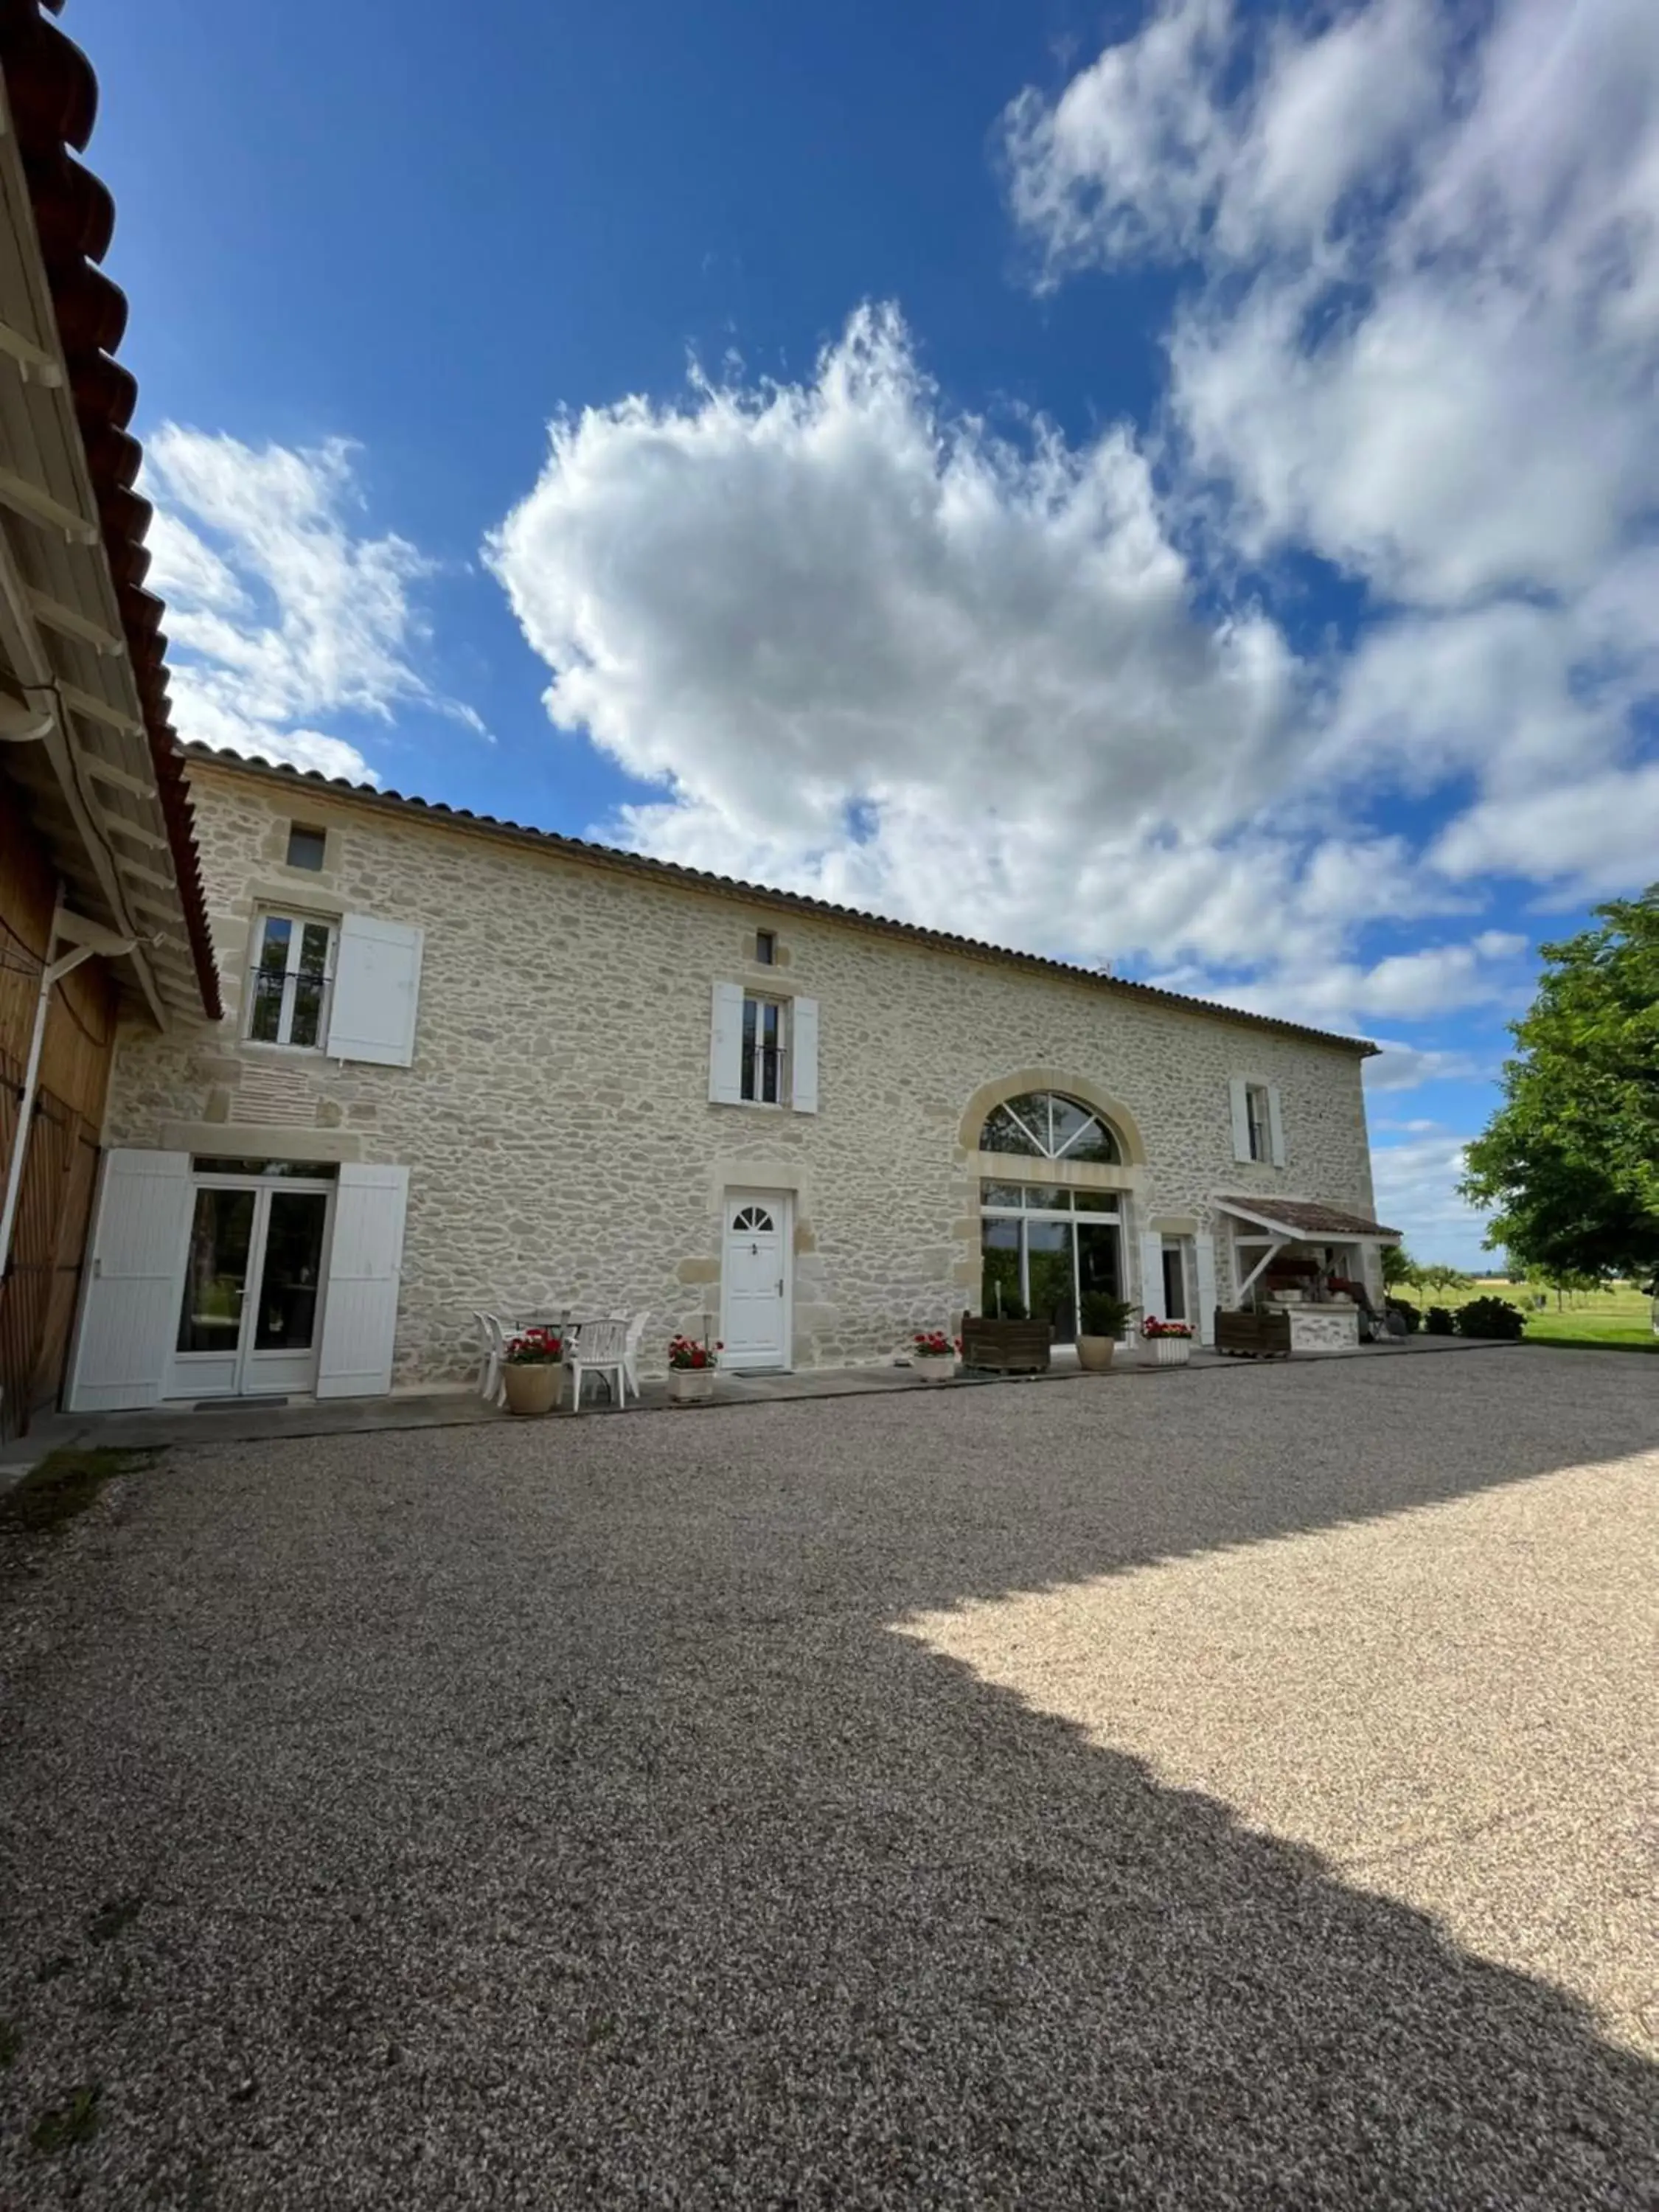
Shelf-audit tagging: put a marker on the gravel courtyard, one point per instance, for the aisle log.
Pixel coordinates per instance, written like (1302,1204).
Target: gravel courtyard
(1221,1788)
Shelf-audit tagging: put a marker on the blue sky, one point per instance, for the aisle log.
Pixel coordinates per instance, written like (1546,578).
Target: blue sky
(1169,486)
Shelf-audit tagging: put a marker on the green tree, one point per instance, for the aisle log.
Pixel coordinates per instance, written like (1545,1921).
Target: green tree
(1400,1271)
(1570,1160)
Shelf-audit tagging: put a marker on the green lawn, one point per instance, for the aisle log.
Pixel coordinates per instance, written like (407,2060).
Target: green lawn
(1611,1320)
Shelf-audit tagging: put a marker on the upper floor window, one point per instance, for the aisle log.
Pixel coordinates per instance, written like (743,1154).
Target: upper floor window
(306,846)
(1258,1120)
(766,947)
(1044,1125)
(763,1051)
(293,970)
(765,1069)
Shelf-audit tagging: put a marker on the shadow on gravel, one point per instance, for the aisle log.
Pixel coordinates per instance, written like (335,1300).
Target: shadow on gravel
(558,1822)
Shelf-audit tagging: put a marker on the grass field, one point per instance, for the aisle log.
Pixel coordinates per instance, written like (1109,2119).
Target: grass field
(1611,1321)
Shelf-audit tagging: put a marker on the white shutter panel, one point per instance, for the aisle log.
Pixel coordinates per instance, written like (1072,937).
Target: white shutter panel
(135,1280)
(1151,1278)
(377,986)
(726,1046)
(1204,1254)
(1275,1126)
(360,1311)
(1240,1099)
(803,1048)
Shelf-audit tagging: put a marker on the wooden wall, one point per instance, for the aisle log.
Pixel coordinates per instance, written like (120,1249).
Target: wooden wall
(40,1293)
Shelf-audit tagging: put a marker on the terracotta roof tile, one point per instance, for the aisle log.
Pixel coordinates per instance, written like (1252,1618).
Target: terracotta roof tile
(762,894)
(53,96)
(1305,1216)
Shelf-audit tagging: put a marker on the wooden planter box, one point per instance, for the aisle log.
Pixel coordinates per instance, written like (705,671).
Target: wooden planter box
(1008,1347)
(1253,1335)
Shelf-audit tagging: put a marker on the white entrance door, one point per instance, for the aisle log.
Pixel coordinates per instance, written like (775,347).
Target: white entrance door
(247,1321)
(755,1279)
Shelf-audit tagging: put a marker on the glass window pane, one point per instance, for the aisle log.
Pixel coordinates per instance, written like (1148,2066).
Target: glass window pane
(1048,1265)
(215,1271)
(1174,1284)
(305,847)
(265,1021)
(1003,1134)
(750,1019)
(1100,1265)
(1046,1199)
(999,1278)
(1002,1193)
(313,948)
(771,1033)
(307,1011)
(287,1310)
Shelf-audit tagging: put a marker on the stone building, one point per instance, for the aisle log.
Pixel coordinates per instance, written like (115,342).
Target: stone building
(466,1066)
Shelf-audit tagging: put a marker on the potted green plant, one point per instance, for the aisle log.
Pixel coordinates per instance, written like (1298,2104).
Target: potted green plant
(530,1369)
(1104,1320)
(692,1368)
(933,1355)
(1170,1342)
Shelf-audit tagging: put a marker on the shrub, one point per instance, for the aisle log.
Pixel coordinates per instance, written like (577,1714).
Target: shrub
(1103,1315)
(1410,1319)
(1440,1322)
(1490,1316)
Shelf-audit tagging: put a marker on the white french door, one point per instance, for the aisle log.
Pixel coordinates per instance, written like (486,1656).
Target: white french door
(250,1314)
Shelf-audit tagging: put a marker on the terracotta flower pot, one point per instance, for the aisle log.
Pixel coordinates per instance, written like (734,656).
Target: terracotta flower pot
(531,1388)
(1094,1353)
(934,1366)
(690,1386)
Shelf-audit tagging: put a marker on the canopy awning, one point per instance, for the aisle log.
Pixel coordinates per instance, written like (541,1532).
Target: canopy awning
(1295,1219)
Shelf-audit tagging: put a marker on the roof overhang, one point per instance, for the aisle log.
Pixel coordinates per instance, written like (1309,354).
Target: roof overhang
(1333,1226)
(84,738)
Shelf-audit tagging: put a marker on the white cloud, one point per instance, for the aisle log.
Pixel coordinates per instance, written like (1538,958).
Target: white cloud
(1420,339)
(1400,1066)
(872,650)
(280,609)
(1416,1185)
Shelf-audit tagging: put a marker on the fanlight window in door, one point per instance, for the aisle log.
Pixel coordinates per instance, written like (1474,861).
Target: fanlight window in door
(1044,1126)
(752,1220)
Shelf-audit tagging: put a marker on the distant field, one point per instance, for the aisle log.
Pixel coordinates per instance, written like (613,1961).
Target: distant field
(1614,1320)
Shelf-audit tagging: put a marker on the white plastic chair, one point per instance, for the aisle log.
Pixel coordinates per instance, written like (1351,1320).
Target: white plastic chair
(631,1344)
(497,1333)
(599,1347)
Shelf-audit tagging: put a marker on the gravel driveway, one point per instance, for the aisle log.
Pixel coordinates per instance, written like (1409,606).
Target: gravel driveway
(1224,1789)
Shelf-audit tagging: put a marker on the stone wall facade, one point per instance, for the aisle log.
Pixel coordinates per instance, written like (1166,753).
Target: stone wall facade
(556,1122)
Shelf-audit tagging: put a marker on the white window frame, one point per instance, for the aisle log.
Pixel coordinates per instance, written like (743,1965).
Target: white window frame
(298,924)
(751,1059)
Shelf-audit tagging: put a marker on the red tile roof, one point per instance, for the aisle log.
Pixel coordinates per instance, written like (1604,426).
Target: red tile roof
(53,96)
(1307,1218)
(762,895)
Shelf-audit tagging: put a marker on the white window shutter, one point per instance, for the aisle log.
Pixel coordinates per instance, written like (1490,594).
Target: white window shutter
(365,1261)
(377,988)
(1204,1255)
(1240,1097)
(1151,1278)
(803,1055)
(135,1281)
(1275,1126)
(726,1046)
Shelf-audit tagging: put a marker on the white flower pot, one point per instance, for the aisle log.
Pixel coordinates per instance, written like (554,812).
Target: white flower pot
(1171,1350)
(934,1366)
(690,1386)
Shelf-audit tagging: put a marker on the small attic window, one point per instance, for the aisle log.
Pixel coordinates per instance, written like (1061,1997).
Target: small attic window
(766,947)
(306,846)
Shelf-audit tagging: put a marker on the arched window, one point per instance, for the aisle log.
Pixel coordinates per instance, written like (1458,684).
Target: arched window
(752,1220)
(1044,1126)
